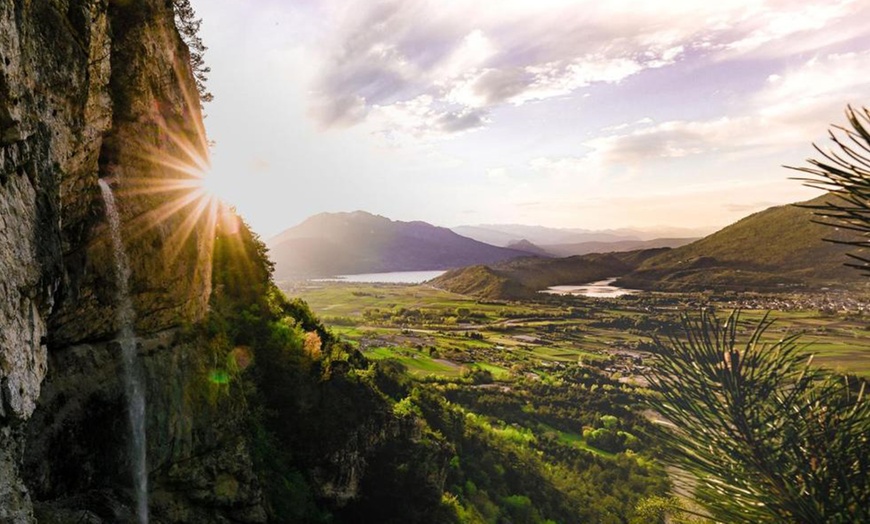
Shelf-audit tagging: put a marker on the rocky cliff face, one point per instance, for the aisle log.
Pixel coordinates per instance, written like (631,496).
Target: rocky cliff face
(102,89)
(95,89)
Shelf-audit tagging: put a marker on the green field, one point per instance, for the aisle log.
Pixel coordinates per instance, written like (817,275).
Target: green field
(417,363)
(553,386)
(510,338)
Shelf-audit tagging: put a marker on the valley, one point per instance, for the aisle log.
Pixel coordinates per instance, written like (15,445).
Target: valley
(272,316)
(438,333)
(560,379)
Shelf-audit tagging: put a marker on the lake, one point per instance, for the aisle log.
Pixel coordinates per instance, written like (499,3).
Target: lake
(395,277)
(600,289)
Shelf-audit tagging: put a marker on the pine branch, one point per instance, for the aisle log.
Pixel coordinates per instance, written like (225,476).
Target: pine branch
(770,438)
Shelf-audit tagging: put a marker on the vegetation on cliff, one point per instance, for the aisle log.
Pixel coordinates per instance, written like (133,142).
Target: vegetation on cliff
(340,438)
(259,412)
(188,25)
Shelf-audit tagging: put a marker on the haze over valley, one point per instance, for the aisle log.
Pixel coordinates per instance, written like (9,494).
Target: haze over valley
(350,243)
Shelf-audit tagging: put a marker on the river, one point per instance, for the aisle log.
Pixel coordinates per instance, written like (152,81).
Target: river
(600,289)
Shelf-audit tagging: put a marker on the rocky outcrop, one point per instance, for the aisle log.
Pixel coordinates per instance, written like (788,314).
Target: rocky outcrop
(95,89)
(37,133)
(199,463)
(102,89)
(152,117)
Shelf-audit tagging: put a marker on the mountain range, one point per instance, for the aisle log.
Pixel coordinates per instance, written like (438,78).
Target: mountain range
(775,249)
(778,247)
(583,248)
(331,244)
(506,234)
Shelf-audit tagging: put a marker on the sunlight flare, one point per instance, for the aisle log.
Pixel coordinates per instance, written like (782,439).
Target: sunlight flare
(180,182)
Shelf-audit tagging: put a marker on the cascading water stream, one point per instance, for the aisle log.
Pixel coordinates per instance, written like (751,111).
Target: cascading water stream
(133,384)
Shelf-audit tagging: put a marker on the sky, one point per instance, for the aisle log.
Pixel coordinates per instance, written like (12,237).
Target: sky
(562,113)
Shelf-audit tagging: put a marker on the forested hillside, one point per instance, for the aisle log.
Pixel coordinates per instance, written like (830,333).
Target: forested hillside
(339,438)
(780,247)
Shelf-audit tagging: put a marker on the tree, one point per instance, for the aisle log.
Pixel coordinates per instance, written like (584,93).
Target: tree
(846,175)
(188,27)
(768,436)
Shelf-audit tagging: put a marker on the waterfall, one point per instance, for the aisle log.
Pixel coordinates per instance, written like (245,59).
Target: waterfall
(134,386)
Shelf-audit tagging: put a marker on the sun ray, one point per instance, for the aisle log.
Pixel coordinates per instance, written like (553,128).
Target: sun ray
(204,208)
(173,193)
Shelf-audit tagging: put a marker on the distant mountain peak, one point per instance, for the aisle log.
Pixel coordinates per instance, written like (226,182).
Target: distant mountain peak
(505,234)
(361,242)
(528,247)
(778,249)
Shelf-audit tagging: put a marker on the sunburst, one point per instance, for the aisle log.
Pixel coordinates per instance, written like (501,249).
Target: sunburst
(179,174)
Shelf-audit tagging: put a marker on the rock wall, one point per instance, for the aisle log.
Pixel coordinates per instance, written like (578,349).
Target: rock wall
(95,89)
(38,131)
(200,469)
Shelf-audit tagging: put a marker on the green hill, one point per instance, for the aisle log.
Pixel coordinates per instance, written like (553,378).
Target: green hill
(780,247)
(482,281)
(523,277)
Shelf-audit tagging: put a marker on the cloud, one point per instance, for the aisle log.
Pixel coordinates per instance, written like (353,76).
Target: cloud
(794,108)
(340,111)
(463,120)
(470,58)
(496,173)
(673,139)
(795,19)
(803,94)
(565,168)
(422,118)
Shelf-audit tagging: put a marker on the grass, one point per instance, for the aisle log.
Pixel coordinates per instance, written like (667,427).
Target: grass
(351,299)
(842,357)
(556,354)
(418,364)
(498,372)
(565,336)
(576,441)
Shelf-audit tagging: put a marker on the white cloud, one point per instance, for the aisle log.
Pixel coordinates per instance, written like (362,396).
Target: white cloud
(794,108)
(714,168)
(561,169)
(471,57)
(800,93)
(791,19)
(422,118)
(557,79)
